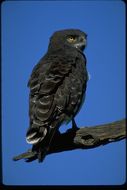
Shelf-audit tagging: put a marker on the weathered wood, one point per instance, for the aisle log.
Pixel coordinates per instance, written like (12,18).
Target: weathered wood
(83,138)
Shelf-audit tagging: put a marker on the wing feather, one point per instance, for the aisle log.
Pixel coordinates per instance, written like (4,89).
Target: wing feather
(56,88)
(45,81)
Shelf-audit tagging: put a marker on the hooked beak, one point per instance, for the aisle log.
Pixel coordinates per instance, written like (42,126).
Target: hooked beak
(82,44)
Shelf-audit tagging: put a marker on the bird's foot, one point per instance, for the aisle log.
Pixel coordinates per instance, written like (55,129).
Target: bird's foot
(74,128)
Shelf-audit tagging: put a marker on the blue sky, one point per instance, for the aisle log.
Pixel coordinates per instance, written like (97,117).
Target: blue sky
(26,28)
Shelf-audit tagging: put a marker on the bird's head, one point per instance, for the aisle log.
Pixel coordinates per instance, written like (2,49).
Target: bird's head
(70,37)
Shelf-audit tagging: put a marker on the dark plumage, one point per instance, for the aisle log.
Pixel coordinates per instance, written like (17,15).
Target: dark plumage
(57,88)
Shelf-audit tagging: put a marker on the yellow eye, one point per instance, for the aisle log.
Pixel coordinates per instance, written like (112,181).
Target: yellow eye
(71,39)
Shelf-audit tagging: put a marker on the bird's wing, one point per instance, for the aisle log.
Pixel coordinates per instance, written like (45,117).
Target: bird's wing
(70,95)
(45,80)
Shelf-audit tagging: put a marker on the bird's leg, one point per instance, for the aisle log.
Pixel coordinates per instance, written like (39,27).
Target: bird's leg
(87,135)
(74,125)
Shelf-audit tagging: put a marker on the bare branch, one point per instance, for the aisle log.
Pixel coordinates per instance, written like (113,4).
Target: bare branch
(83,138)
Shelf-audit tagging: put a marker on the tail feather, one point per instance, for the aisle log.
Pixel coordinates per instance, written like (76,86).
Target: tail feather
(35,135)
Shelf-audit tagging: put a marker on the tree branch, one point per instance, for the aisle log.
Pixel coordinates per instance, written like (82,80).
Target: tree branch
(83,138)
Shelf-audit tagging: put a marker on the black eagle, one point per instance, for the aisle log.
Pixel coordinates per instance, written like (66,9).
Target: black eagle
(57,88)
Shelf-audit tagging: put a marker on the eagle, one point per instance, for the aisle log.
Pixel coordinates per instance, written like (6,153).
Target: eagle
(57,88)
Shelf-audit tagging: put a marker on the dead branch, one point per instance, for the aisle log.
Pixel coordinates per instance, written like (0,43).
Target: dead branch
(83,138)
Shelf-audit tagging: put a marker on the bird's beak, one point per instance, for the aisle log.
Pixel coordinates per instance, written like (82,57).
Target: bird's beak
(82,44)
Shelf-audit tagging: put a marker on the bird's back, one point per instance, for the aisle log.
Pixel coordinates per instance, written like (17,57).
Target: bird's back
(57,85)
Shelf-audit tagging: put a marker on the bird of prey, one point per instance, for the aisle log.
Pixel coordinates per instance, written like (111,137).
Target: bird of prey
(57,88)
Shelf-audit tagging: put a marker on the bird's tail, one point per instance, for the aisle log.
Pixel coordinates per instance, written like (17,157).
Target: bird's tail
(41,139)
(36,135)
(41,145)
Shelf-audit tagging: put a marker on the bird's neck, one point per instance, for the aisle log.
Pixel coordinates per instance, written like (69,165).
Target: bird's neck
(64,50)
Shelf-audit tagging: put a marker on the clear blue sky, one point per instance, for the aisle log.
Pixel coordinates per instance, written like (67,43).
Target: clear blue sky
(26,28)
